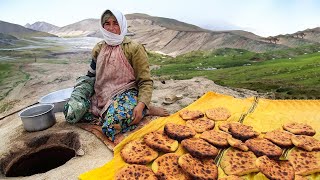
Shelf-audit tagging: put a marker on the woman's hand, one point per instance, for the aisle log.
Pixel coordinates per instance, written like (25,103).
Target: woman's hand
(137,113)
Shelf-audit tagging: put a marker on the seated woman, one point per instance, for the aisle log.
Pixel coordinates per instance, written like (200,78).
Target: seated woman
(123,85)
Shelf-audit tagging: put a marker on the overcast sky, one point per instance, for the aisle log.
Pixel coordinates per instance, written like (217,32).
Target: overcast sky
(262,17)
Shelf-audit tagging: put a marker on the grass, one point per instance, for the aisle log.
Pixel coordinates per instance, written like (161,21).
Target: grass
(292,73)
(11,75)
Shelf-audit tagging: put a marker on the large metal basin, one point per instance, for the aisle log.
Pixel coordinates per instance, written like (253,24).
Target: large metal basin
(38,117)
(58,98)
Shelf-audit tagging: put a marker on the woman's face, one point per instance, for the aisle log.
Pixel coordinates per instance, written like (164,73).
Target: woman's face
(112,25)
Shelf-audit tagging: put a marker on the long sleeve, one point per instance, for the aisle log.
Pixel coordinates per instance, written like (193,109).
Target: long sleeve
(137,57)
(141,68)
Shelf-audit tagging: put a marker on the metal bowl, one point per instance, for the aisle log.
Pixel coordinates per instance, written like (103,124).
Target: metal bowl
(38,117)
(58,98)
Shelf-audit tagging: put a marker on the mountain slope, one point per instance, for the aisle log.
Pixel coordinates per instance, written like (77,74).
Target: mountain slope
(6,39)
(42,26)
(173,37)
(175,41)
(20,31)
(166,22)
(82,28)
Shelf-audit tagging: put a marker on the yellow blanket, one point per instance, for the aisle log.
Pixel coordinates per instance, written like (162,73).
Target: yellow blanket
(269,115)
(266,112)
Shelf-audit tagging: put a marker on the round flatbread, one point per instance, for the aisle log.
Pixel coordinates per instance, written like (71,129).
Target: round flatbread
(198,169)
(236,143)
(261,146)
(160,142)
(241,131)
(224,126)
(199,148)
(135,172)
(137,152)
(304,162)
(178,131)
(189,115)
(236,162)
(275,169)
(299,129)
(216,138)
(200,125)
(280,138)
(218,114)
(166,167)
(306,142)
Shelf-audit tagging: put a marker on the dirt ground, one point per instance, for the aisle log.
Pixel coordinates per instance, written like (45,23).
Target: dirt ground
(48,77)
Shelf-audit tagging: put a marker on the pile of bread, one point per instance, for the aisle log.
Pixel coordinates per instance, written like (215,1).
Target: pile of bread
(238,147)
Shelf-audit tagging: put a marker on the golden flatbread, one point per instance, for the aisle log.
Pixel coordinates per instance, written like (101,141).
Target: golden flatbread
(178,131)
(200,125)
(304,162)
(275,169)
(236,162)
(306,142)
(199,148)
(242,132)
(137,152)
(166,167)
(135,172)
(299,129)
(280,138)
(236,143)
(216,138)
(189,115)
(198,169)
(160,142)
(218,114)
(261,146)
(224,126)
(232,177)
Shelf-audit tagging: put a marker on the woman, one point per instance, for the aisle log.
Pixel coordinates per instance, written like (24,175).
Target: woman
(123,85)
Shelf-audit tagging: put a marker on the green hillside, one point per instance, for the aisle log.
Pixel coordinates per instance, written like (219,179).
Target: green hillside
(289,74)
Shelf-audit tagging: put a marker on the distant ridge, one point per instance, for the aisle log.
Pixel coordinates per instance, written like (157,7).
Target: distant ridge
(174,37)
(20,31)
(82,28)
(166,22)
(42,26)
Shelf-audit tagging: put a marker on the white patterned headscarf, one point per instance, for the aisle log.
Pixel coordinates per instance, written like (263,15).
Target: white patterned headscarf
(109,37)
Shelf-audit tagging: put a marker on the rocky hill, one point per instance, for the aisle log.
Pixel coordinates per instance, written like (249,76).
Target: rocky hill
(20,31)
(173,37)
(42,26)
(85,27)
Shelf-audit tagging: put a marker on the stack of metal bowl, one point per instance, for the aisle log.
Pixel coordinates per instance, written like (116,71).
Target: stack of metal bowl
(41,116)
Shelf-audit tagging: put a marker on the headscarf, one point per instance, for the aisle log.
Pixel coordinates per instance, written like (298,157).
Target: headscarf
(109,37)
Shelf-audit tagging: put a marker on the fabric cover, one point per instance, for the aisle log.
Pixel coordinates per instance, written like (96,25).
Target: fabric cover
(79,102)
(263,115)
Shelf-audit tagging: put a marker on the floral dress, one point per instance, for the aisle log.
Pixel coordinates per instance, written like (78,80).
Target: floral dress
(119,114)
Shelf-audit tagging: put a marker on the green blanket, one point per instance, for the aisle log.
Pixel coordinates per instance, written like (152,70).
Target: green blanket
(79,103)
